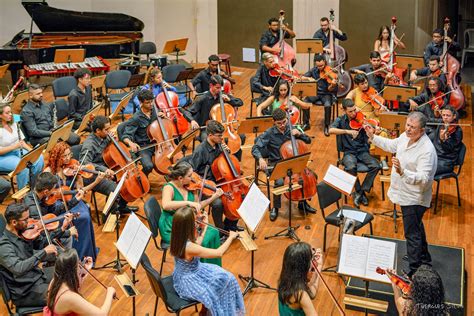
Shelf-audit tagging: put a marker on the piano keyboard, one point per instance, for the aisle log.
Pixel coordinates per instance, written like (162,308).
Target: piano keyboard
(94,64)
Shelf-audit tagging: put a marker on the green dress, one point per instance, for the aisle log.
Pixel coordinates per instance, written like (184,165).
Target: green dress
(285,310)
(211,238)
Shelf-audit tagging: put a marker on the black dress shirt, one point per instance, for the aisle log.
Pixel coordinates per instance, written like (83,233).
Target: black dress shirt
(351,145)
(425,71)
(450,148)
(92,149)
(204,155)
(262,79)
(56,209)
(375,80)
(269,39)
(136,128)
(319,34)
(79,103)
(37,119)
(323,85)
(437,49)
(267,145)
(426,109)
(202,80)
(203,104)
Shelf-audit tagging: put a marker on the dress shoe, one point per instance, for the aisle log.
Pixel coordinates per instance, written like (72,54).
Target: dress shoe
(239,228)
(364,200)
(305,126)
(326,130)
(273,214)
(128,209)
(305,207)
(357,199)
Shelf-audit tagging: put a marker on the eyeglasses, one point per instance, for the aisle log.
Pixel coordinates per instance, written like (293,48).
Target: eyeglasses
(281,123)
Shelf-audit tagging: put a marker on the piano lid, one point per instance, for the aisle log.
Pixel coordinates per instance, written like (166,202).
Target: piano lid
(50,19)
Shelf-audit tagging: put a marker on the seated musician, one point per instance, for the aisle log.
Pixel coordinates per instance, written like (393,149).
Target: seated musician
(5,188)
(203,156)
(447,140)
(362,86)
(423,103)
(200,83)
(323,33)
(135,133)
(433,70)
(80,98)
(176,195)
(60,165)
(272,36)
(326,91)
(376,76)
(435,47)
(38,118)
(356,149)
(91,153)
(267,145)
(155,83)
(12,145)
(20,258)
(298,282)
(278,99)
(382,43)
(263,82)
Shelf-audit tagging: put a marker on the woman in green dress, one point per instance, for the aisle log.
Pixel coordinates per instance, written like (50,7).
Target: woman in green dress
(278,98)
(175,195)
(298,283)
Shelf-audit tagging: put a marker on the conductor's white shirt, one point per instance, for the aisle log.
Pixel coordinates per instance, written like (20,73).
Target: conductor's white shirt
(418,162)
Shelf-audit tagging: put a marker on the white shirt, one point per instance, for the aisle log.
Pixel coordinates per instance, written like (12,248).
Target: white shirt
(418,163)
(7,138)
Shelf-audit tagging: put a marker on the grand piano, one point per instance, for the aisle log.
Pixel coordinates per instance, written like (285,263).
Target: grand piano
(102,34)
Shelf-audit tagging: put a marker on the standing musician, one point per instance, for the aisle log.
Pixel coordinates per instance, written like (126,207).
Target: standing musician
(20,258)
(433,70)
(267,145)
(203,156)
(263,82)
(298,282)
(411,180)
(382,43)
(176,195)
(447,139)
(326,89)
(422,103)
(435,47)
(12,146)
(360,93)
(91,153)
(323,33)
(375,72)
(272,36)
(38,118)
(356,149)
(135,132)
(201,82)
(80,98)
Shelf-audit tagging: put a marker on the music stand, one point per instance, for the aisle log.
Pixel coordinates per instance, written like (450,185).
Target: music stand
(87,119)
(287,168)
(305,88)
(60,133)
(121,105)
(308,46)
(76,55)
(182,145)
(398,93)
(27,162)
(410,62)
(174,47)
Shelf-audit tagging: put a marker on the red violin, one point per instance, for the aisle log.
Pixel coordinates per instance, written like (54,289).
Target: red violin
(51,222)
(372,97)
(397,280)
(360,120)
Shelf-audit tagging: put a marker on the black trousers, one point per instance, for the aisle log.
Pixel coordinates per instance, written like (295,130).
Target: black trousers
(36,296)
(147,160)
(325,100)
(417,247)
(217,211)
(350,165)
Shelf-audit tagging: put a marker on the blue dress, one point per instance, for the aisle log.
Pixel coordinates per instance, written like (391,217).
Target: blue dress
(214,287)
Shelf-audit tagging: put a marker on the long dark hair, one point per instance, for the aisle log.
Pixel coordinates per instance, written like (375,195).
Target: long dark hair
(65,271)
(276,92)
(427,292)
(182,230)
(293,277)
(382,28)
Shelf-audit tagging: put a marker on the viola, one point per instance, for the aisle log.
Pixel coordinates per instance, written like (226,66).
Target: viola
(372,97)
(57,194)
(287,55)
(226,170)
(225,113)
(397,280)
(51,222)
(74,167)
(284,73)
(360,120)
(168,102)
(196,184)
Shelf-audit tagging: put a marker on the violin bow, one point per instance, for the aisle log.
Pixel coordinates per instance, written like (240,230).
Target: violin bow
(48,238)
(436,98)
(80,165)
(373,98)
(202,183)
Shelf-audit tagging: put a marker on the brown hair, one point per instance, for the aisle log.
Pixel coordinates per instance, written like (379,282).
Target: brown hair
(179,170)
(182,231)
(2,108)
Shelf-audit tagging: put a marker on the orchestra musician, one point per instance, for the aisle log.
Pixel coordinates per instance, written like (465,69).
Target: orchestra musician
(203,156)
(80,98)
(201,82)
(176,195)
(326,79)
(267,145)
(12,146)
(91,153)
(433,70)
(38,118)
(382,43)
(435,47)
(5,188)
(447,140)
(263,82)
(209,284)
(356,149)
(135,132)
(376,75)
(20,258)
(155,84)
(362,86)
(272,36)
(422,103)
(298,282)
(323,33)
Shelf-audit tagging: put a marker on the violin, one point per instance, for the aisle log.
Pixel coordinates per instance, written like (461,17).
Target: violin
(74,167)
(57,194)
(51,221)
(208,188)
(287,55)
(372,97)
(284,73)
(225,113)
(401,283)
(437,102)
(226,170)
(328,74)
(168,102)
(359,121)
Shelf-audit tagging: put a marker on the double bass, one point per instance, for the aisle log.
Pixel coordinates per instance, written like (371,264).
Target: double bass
(398,73)
(168,102)
(227,86)
(287,55)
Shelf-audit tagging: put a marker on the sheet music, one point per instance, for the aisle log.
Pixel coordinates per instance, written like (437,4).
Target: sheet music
(381,254)
(253,207)
(353,255)
(340,179)
(133,240)
(352,214)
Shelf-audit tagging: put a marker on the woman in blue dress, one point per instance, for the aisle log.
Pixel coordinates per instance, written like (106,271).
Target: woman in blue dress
(216,288)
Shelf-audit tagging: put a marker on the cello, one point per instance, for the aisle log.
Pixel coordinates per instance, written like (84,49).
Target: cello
(161,131)
(336,59)
(226,170)
(116,156)
(168,102)
(451,67)
(287,55)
